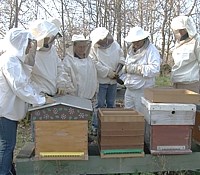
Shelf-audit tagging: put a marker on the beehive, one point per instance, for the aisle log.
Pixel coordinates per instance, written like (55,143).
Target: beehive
(168,127)
(121,133)
(60,130)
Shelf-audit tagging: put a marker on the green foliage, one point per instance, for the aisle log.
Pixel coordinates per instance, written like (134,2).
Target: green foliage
(163,81)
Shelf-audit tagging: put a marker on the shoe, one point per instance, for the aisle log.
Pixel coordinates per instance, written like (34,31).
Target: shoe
(13,171)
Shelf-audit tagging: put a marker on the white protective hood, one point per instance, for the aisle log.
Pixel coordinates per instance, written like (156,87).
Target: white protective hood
(42,29)
(184,22)
(15,88)
(16,42)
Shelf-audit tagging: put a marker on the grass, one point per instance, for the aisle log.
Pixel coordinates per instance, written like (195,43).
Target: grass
(163,81)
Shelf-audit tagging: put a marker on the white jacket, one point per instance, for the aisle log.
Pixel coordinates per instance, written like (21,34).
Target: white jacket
(186,62)
(48,73)
(107,59)
(186,54)
(15,88)
(83,75)
(149,60)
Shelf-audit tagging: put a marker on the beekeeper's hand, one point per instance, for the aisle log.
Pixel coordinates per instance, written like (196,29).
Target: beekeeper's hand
(133,69)
(49,99)
(111,74)
(61,91)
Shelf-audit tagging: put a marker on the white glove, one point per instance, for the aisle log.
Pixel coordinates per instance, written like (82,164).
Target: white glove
(30,57)
(112,74)
(49,99)
(71,91)
(61,91)
(133,69)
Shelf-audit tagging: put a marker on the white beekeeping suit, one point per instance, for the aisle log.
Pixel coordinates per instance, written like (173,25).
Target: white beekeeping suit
(48,73)
(81,67)
(2,46)
(15,88)
(186,54)
(142,65)
(106,59)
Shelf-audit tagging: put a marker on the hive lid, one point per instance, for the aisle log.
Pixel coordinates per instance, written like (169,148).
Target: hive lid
(68,100)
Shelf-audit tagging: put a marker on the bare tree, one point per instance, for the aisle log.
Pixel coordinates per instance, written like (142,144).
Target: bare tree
(82,16)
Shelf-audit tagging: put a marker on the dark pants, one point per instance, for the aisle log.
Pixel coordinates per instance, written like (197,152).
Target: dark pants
(105,99)
(8,131)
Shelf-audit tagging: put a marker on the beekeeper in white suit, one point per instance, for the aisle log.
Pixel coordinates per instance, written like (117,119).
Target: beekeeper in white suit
(48,73)
(108,57)
(186,54)
(109,60)
(142,65)
(15,92)
(80,66)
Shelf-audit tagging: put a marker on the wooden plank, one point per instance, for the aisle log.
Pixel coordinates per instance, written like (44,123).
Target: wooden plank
(119,115)
(110,110)
(131,132)
(109,126)
(169,95)
(133,146)
(96,165)
(121,140)
(121,118)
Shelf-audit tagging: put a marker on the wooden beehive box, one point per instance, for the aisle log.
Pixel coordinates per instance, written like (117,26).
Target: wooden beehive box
(120,133)
(196,128)
(170,95)
(60,130)
(168,127)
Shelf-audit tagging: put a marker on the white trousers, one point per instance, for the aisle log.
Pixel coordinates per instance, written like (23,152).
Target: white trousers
(132,99)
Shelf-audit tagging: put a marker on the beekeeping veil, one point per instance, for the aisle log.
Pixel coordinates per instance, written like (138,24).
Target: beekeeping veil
(183,22)
(44,30)
(80,39)
(16,42)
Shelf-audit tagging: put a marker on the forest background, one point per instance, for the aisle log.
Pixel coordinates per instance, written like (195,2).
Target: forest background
(82,16)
